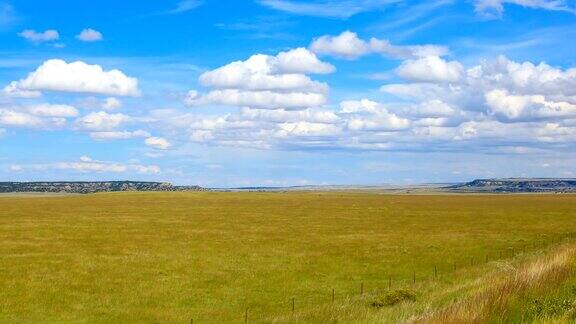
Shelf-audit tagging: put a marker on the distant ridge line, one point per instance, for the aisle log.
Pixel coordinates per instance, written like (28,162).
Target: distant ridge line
(559,185)
(84,187)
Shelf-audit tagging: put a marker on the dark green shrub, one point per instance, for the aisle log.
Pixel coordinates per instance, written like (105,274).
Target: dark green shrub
(391,298)
(550,307)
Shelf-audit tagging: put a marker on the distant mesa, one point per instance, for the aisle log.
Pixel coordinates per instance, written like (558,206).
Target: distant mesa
(509,185)
(518,185)
(92,187)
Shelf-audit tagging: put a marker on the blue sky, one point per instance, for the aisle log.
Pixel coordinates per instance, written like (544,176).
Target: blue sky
(287,92)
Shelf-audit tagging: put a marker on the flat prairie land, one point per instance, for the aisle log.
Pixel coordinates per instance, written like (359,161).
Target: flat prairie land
(215,257)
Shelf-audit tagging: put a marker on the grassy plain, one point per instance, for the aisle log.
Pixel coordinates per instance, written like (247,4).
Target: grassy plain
(170,257)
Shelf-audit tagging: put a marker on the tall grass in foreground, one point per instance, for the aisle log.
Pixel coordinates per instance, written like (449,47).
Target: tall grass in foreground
(501,291)
(540,274)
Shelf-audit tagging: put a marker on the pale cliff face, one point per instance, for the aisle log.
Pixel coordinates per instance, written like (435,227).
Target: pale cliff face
(518,185)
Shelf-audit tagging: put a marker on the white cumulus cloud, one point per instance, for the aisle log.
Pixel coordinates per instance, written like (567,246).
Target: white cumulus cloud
(300,60)
(257,73)
(281,115)
(89,35)
(13,91)
(87,165)
(430,69)
(349,46)
(40,37)
(111,103)
(346,45)
(40,116)
(58,75)
(116,135)
(101,121)
(501,102)
(264,81)
(306,129)
(19,119)
(158,143)
(262,99)
(50,110)
(371,116)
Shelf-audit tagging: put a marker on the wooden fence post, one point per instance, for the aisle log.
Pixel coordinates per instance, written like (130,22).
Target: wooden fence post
(333,295)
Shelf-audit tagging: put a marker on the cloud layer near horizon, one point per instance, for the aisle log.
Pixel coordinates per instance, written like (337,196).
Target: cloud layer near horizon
(435,101)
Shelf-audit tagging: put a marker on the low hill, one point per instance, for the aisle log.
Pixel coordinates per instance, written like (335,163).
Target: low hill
(516,185)
(92,187)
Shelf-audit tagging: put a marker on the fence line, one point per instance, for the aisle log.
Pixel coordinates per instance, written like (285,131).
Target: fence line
(554,240)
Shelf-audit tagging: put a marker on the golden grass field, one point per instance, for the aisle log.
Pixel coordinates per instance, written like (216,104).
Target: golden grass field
(209,256)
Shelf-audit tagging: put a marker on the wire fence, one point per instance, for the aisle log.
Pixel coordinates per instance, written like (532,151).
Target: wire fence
(434,274)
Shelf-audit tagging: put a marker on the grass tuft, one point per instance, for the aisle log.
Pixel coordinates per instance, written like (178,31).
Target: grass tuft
(394,297)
